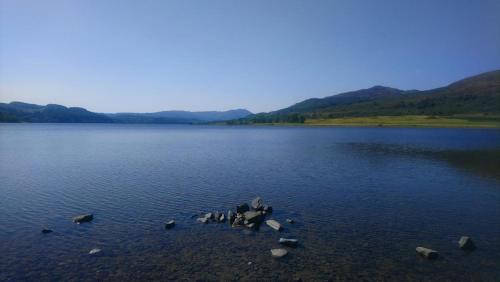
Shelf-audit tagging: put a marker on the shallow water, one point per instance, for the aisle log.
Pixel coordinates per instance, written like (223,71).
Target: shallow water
(363,199)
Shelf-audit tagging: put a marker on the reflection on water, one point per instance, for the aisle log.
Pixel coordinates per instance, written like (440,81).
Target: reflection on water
(363,199)
(485,162)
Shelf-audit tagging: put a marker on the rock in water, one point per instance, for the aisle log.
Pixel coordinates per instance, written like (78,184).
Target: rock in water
(217,216)
(94,251)
(230,216)
(278,253)
(238,221)
(242,208)
(202,219)
(170,224)
(268,209)
(291,221)
(465,243)
(83,218)
(427,253)
(46,230)
(252,217)
(274,224)
(222,217)
(289,242)
(257,203)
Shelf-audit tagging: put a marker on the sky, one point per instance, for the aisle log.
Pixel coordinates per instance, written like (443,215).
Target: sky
(146,56)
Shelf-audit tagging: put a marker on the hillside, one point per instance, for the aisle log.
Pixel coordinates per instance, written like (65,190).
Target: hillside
(477,95)
(24,112)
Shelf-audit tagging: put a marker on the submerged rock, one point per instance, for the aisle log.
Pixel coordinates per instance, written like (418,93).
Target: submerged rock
(46,230)
(217,216)
(257,203)
(94,251)
(289,242)
(170,224)
(466,243)
(274,224)
(427,253)
(278,253)
(83,218)
(242,208)
(251,226)
(289,220)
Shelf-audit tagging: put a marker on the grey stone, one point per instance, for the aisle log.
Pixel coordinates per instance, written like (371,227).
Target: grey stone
(170,224)
(289,242)
(209,215)
(222,217)
(257,203)
(242,208)
(427,253)
(278,253)
(94,251)
(274,224)
(203,219)
(238,221)
(291,221)
(83,218)
(466,243)
(253,217)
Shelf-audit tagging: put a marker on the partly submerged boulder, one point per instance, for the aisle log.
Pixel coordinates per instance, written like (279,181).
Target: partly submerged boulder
(289,242)
(242,208)
(427,253)
(83,218)
(278,253)
(253,217)
(257,203)
(466,243)
(94,251)
(170,224)
(274,224)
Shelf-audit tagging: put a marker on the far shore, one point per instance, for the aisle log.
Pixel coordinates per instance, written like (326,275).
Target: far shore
(400,121)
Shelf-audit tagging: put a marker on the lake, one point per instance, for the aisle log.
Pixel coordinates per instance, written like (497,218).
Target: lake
(363,199)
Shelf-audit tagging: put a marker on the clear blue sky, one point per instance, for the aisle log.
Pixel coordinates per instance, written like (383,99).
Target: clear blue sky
(114,56)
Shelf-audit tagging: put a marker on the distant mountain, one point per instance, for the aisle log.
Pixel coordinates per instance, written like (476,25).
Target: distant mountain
(479,94)
(24,112)
(179,116)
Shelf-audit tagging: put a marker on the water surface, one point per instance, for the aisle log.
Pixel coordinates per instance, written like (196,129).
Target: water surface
(363,199)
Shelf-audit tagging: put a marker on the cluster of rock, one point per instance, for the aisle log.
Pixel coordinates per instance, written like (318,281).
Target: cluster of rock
(249,216)
(252,216)
(465,243)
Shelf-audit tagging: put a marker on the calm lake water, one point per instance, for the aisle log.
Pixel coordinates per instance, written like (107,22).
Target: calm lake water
(362,199)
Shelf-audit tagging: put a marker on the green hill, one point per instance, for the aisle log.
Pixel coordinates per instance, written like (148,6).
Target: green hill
(474,96)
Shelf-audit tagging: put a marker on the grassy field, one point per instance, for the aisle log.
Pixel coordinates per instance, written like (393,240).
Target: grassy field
(411,121)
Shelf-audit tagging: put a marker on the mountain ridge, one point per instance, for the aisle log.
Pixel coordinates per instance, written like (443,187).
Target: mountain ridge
(478,94)
(24,112)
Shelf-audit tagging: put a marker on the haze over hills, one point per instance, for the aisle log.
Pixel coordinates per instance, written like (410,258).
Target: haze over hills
(478,94)
(24,112)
